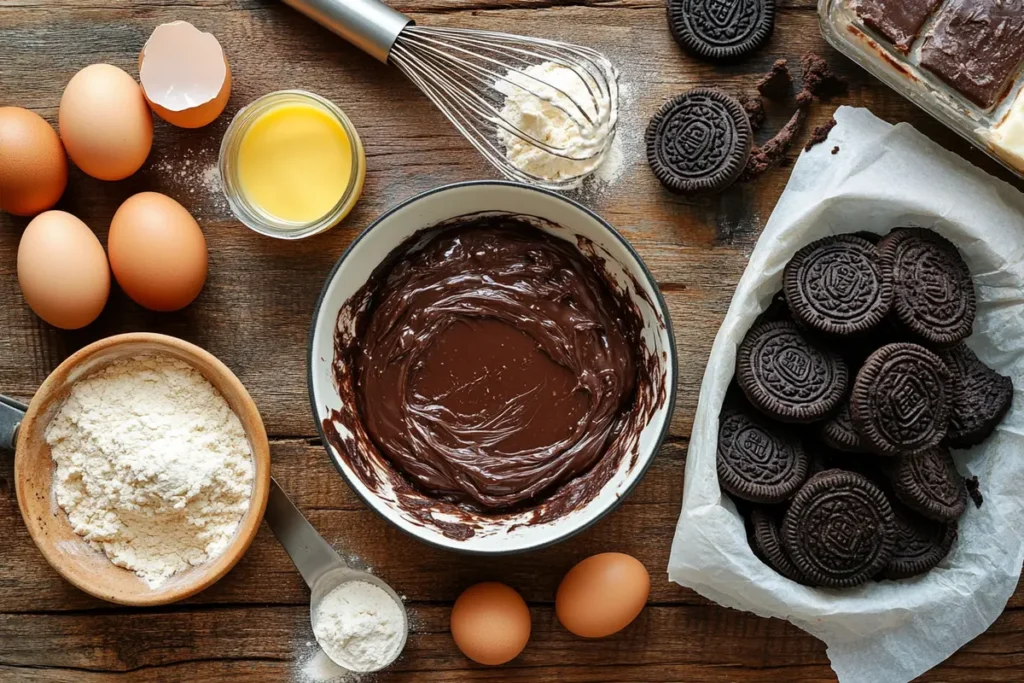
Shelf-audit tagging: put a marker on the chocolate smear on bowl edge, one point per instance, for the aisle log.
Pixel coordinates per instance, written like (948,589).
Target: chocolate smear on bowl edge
(478,294)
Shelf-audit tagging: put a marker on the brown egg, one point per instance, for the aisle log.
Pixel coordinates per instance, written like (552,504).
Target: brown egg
(33,166)
(490,623)
(602,595)
(157,252)
(62,270)
(105,123)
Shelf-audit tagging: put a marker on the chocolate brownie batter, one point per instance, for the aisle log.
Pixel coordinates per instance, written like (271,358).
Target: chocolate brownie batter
(899,21)
(976,47)
(494,368)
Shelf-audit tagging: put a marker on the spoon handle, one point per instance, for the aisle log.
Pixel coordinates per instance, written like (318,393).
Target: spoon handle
(310,553)
(11,414)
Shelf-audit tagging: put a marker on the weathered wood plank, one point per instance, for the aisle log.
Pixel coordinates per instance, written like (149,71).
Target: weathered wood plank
(254,314)
(680,643)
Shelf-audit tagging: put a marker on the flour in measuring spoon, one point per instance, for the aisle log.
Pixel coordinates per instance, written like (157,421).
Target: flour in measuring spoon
(152,465)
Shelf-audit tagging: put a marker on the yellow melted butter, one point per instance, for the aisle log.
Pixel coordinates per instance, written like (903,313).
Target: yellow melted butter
(295,162)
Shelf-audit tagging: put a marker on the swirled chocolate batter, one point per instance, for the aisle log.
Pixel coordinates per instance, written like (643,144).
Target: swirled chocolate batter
(494,368)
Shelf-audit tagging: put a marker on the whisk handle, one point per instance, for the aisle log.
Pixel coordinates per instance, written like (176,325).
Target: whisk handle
(370,25)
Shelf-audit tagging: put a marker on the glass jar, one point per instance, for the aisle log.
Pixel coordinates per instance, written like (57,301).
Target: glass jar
(251,214)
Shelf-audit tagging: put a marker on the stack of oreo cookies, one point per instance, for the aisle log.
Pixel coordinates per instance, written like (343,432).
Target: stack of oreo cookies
(849,391)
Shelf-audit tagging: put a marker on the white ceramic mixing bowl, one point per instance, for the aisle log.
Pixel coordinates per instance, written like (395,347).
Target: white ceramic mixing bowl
(506,533)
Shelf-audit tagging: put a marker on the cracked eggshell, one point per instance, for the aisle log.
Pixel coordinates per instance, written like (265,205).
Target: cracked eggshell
(184,75)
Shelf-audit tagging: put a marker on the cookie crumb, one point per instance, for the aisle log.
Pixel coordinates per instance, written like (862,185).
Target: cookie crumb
(754,106)
(974,490)
(776,83)
(773,153)
(820,133)
(835,150)
(818,78)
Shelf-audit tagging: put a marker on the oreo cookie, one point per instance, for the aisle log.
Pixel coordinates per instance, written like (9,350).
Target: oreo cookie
(767,540)
(839,433)
(839,530)
(835,286)
(758,462)
(721,30)
(933,293)
(786,376)
(899,402)
(979,398)
(699,142)
(929,484)
(920,543)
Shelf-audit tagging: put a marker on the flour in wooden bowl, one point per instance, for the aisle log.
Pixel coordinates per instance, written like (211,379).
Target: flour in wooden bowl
(152,465)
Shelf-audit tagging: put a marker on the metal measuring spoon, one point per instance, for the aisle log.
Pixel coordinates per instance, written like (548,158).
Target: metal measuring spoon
(321,567)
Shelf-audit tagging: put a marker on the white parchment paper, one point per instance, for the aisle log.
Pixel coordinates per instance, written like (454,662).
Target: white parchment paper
(883,176)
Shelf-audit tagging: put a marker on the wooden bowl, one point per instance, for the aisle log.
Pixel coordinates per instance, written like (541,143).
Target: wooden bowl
(77,561)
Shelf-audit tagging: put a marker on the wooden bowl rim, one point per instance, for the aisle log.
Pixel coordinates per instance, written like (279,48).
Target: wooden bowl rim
(200,577)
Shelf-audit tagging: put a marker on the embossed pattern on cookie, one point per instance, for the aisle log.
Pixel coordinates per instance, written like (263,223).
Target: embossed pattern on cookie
(699,142)
(920,543)
(758,462)
(930,484)
(839,529)
(933,293)
(979,398)
(838,431)
(721,30)
(787,377)
(899,402)
(768,539)
(835,286)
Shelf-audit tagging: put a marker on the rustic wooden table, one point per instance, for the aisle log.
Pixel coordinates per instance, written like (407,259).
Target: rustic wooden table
(255,311)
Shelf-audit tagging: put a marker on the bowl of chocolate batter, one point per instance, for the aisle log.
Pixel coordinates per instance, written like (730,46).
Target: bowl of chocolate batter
(492,367)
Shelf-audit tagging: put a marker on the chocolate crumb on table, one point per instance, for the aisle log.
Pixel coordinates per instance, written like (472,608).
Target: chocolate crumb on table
(974,490)
(835,150)
(820,133)
(776,83)
(754,107)
(818,78)
(770,154)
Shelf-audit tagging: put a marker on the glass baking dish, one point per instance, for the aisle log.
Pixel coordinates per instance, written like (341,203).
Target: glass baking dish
(845,31)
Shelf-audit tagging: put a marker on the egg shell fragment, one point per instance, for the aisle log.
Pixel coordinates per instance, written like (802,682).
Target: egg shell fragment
(184,75)
(33,164)
(490,623)
(602,595)
(157,252)
(62,270)
(105,123)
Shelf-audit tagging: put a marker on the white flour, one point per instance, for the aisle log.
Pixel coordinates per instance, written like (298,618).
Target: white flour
(152,465)
(359,626)
(542,115)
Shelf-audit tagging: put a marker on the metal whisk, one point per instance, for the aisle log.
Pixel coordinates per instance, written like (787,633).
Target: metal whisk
(468,73)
